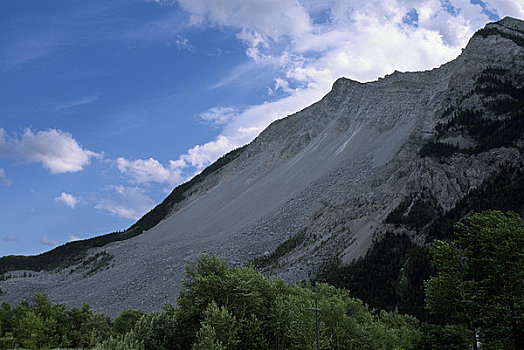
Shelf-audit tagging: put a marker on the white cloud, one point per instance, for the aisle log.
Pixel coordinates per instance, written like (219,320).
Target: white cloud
(73,238)
(183,43)
(56,150)
(5,147)
(271,18)
(514,8)
(4,179)
(127,202)
(47,241)
(10,239)
(75,103)
(67,199)
(201,155)
(219,115)
(149,170)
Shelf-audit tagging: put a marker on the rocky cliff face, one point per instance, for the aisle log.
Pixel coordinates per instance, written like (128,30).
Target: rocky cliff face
(314,185)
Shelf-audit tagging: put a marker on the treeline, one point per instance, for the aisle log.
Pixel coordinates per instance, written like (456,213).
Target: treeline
(281,250)
(438,149)
(62,256)
(415,212)
(74,252)
(220,307)
(42,325)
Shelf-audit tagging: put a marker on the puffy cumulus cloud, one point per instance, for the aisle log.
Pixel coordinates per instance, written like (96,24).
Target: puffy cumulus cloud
(10,238)
(149,170)
(56,150)
(365,40)
(47,241)
(373,51)
(67,199)
(201,155)
(126,202)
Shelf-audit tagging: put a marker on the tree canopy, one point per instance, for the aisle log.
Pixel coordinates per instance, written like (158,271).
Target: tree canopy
(480,281)
(221,307)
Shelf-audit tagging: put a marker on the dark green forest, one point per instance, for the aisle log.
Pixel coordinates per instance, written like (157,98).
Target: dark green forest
(389,276)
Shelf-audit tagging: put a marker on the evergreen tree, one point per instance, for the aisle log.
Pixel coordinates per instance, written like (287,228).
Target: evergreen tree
(480,281)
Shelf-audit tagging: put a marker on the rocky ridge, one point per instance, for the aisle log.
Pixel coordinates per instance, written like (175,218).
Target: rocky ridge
(314,185)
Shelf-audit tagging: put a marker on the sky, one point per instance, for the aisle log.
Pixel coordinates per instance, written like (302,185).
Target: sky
(106,106)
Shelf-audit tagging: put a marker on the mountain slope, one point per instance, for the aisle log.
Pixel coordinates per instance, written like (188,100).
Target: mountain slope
(317,184)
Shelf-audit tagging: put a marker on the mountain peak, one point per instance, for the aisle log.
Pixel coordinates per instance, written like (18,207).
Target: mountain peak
(511,22)
(508,27)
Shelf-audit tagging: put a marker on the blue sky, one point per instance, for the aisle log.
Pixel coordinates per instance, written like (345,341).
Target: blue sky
(105,106)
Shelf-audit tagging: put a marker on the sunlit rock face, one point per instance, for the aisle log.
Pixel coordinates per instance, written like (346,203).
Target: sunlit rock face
(316,184)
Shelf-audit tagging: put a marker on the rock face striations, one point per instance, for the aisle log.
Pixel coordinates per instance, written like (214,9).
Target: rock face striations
(320,183)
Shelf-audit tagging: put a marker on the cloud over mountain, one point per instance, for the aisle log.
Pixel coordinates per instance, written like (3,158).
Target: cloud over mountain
(312,43)
(126,202)
(148,170)
(47,241)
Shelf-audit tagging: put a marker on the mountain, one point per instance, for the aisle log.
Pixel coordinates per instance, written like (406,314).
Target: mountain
(396,161)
